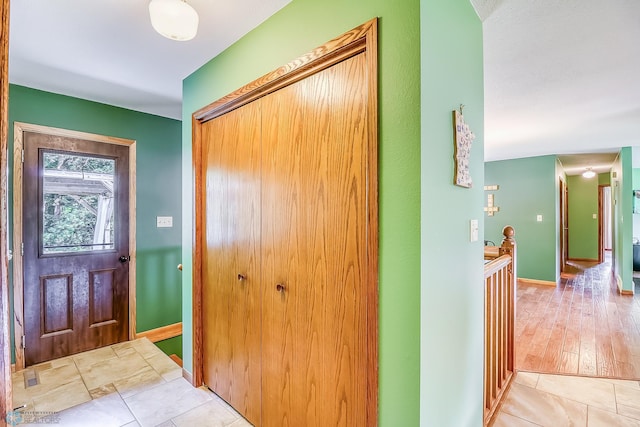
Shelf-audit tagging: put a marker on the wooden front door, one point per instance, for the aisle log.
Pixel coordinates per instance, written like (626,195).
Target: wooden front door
(75,245)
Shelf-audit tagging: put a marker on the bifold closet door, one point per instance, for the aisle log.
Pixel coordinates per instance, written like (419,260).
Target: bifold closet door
(314,256)
(231,263)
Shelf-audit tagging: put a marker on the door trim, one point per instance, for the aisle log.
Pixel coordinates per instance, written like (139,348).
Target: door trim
(18,265)
(5,352)
(601,224)
(360,40)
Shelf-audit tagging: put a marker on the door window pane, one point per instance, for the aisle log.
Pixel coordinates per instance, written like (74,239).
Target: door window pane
(78,202)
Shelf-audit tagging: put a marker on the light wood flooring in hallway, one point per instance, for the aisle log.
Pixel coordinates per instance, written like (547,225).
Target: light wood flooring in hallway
(583,326)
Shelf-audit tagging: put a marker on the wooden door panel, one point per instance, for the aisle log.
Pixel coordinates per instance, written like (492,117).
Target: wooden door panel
(284,254)
(76,299)
(232,271)
(314,228)
(343,234)
(215,296)
(56,304)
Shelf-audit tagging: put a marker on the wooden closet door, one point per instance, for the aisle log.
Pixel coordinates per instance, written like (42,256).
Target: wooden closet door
(231,264)
(314,250)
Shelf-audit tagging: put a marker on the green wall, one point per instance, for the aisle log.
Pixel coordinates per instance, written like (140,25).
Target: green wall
(622,194)
(605,178)
(583,228)
(452,298)
(528,187)
(296,29)
(158,178)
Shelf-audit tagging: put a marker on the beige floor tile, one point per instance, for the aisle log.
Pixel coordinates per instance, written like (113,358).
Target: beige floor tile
(106,411)
(581,389)
(112,370)
(543,408)
(623,383)
(88,358)
(601,418)
(146,348)
(62,397)
(140,381)
(122,346)
(628,396)
(241,423)
(56,363)
(213,413)
(165,366)
(166,401)
(506,420)
(61,374)
(629,411)
(103,390)
(527,378)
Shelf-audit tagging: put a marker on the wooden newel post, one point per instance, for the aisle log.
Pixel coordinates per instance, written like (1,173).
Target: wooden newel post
(508,247)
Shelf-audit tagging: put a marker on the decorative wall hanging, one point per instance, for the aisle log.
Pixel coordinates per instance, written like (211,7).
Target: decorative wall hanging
(491,209)
(463,137)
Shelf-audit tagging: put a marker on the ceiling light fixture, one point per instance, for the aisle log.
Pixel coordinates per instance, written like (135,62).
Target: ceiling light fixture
(588,173)
(174,19)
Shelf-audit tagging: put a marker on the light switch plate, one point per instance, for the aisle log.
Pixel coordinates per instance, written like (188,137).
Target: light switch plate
(473,230)
(595,216)
(539,218)
(164,221)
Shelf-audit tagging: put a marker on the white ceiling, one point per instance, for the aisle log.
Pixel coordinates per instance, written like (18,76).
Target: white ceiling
(106,50)
(560,76)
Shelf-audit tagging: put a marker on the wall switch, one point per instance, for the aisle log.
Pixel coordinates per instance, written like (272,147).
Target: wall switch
(164,221)
(473,230)
(539,218)
(595,216)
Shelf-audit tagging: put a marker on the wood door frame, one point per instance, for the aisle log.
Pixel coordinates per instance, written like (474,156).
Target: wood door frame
(564,224)
(601,221)
(362,39)
(6,400)
(18,261)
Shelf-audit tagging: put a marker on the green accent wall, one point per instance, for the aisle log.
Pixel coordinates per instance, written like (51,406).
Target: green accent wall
(622,194)
(528,187)
(158,180)
(583,228)
(171,346)
(605,178)
(299,27)
(452,297)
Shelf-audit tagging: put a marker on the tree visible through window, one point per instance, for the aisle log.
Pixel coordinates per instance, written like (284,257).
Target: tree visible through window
(78,202)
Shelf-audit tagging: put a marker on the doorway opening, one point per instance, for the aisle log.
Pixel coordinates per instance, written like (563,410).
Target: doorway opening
(73,242)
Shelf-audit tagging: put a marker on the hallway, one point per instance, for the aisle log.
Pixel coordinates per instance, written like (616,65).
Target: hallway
(577,353)
(580,327)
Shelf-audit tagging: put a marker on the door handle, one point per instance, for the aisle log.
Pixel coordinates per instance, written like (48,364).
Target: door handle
(124,259)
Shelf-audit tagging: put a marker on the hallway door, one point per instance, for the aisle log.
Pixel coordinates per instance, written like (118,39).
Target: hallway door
(564,225)
(75,245)
(604,221)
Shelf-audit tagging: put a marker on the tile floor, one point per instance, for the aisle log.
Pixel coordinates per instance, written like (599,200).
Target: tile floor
(561,400)
(127,384)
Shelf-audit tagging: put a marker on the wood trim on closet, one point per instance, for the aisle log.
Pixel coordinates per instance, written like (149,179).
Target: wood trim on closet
(362,39)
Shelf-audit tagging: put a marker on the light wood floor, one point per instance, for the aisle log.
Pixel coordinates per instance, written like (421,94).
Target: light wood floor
(581,327)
